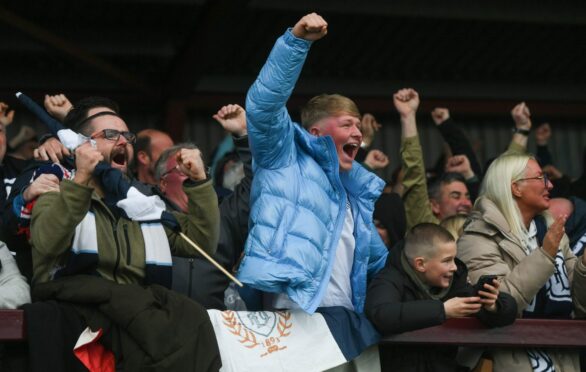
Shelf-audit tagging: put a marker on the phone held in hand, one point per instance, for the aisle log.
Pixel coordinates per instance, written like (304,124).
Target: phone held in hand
(484,279)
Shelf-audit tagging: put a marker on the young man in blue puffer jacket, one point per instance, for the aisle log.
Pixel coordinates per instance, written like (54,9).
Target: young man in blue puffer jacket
(312,241)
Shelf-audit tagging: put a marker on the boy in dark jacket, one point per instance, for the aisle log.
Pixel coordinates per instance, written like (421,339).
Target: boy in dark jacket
(422,285)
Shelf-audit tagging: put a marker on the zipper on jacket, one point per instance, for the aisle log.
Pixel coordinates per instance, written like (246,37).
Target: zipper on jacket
(117,252)
(127,244)
(190,277)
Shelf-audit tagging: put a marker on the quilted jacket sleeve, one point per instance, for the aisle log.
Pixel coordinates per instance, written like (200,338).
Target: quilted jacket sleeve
(378,253)
(270,129)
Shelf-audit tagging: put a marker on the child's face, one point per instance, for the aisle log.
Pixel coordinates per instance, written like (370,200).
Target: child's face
(440,268)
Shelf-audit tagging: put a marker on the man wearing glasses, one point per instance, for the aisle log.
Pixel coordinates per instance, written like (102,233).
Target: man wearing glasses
(74,231)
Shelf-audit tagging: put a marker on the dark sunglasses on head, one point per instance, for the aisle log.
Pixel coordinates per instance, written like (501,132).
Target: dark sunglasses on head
(114,135)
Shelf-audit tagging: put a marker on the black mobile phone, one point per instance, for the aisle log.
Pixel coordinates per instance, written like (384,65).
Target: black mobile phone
(484,279)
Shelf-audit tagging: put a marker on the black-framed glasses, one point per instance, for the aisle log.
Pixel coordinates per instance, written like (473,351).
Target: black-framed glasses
(114,135)
(542,177)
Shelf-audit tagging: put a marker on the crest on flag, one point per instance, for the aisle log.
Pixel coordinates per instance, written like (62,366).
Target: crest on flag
(264,330)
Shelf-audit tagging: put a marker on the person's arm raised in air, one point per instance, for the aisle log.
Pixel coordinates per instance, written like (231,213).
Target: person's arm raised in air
(376,159)
(522,118)
(455,138)
(417,207)
(57,106)
(235,208)
(201,223)
(51,148)
(270,128)
(369,126)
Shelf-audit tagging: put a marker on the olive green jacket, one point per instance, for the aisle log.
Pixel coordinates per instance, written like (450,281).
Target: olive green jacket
(415,198)
(121,253)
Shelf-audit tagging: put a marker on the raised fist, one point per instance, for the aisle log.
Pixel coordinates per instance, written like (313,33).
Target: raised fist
(406,101)
(6,116)
(58,106)
(311,27)
(376,159)
(369,126)
(233,119)
(190,163)
(439,115)
(521,116)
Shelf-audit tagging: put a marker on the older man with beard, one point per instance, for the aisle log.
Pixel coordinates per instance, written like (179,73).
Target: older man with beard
(74,231)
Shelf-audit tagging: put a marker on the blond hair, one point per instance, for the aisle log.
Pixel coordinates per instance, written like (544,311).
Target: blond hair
(496,187)
(454,224)
(325,105)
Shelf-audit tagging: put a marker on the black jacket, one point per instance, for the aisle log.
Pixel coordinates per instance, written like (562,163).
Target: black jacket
(146,328)
(460,145)
(389,210)
(393,305)
(196,277)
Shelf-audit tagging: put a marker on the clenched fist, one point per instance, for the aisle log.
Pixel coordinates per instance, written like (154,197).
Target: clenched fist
(312,27)
(406,102)
(190,163)
(233,119)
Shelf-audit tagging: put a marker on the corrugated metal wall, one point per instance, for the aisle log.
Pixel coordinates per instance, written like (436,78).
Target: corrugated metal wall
(491,136)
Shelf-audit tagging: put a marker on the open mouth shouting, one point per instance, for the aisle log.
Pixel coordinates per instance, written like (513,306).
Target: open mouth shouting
(351,149)
(119,158)
(346,155)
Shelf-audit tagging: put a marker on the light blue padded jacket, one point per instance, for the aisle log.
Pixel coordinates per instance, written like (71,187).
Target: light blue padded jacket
(299,196)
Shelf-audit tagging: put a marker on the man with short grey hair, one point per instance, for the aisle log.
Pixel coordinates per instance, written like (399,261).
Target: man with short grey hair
(196,277)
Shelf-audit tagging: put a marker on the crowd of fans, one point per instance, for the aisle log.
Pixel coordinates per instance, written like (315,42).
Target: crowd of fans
(100,231)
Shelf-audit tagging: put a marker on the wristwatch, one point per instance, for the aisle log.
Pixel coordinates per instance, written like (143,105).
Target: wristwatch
(524,132)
